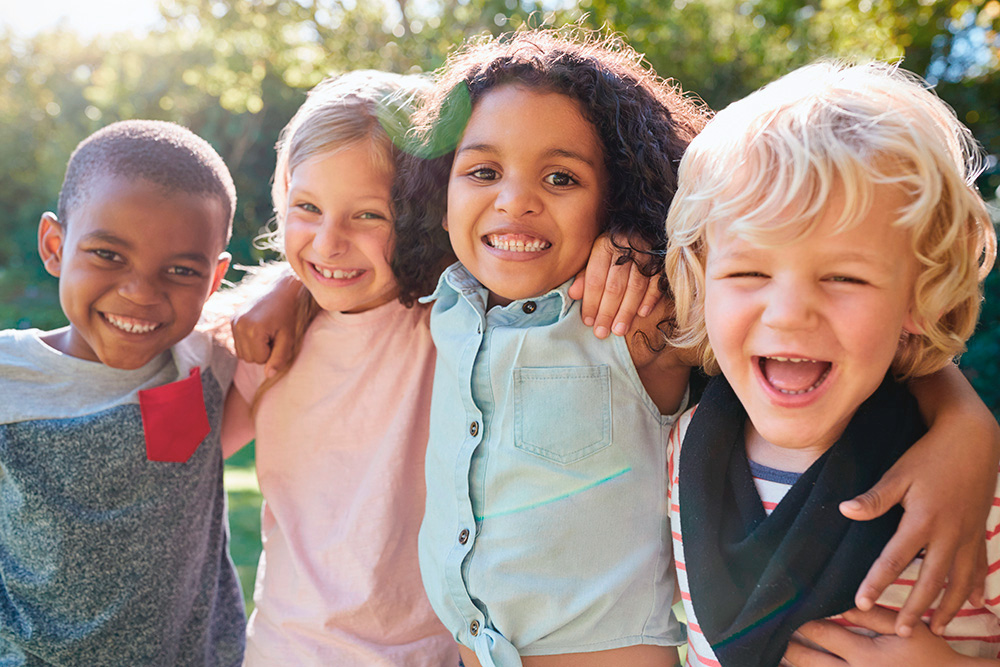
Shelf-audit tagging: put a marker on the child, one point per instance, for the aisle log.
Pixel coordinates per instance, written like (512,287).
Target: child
(340,436)
(113,541)
(839,250)
(544,535)
(544,530)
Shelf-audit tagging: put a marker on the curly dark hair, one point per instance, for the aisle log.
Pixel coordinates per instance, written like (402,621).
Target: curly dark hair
(166,154)
(644,124)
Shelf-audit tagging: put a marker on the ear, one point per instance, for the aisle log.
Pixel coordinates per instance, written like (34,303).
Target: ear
(444,223)
(51,235)
(911,323)
(220,270)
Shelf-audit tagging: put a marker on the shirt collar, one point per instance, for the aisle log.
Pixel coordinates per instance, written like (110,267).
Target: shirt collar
(456,279)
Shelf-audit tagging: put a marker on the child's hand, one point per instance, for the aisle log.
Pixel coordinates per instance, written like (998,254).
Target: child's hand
(265,334)
(849,649)
(612,293)
(945,482)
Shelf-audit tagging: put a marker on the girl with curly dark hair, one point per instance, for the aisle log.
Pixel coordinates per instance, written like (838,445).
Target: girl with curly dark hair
(544,532)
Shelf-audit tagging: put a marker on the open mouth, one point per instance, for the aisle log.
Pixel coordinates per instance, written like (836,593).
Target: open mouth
(130,324)
(794,375)
(337,274)
(516,242)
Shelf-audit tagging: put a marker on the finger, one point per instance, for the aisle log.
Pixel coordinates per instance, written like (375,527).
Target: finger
(634,292)
(877,619)
(797,655)
(931,580)
(962,578)
(282,351)
(576,289)
(651,297)
(978,596)
(907,542)
(593,284)
(878,500)
(614,291)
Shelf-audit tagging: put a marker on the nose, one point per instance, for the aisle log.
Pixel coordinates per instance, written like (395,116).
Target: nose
(140,289)
(517,197)
(789,305)
(332,237)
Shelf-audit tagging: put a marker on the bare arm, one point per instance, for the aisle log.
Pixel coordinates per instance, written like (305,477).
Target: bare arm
(237,423)
(849,649)
(945,483)
(662,369)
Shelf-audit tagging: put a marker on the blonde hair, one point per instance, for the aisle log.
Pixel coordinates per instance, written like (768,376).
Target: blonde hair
(341,112)
(767,167)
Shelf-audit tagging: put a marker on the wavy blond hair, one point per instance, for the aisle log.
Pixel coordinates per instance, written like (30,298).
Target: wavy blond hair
(767,167)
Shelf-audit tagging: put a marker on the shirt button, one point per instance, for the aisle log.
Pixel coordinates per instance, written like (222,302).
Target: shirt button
(474,628)
(463,537)
(529,307)
(474,429)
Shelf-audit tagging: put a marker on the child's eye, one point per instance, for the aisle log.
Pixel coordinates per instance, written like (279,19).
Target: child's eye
(184,271)
(560,179)
(484,174)
(746,274)
(372,215)
(107,255)
(850,280)
(309,208)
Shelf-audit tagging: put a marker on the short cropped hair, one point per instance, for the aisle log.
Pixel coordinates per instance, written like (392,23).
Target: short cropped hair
(768,165)
(165,154)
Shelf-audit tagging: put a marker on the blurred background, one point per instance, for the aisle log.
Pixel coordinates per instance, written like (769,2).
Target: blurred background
(235,72)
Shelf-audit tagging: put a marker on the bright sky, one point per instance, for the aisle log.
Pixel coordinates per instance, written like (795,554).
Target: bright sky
(86,17)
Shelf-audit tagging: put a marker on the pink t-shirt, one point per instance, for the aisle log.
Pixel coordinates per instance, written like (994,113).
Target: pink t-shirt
(340,446)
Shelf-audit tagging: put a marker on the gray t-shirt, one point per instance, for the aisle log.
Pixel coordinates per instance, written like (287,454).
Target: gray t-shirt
(107,557)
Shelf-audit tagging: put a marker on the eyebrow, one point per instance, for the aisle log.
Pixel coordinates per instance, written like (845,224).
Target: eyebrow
(552,152)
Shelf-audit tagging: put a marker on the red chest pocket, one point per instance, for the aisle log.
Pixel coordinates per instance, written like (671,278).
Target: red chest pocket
(174,419)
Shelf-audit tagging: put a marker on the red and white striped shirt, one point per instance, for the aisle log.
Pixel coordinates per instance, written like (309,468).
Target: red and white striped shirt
(975,631)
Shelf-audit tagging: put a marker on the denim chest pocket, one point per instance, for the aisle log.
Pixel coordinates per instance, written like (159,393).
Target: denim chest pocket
(562,414)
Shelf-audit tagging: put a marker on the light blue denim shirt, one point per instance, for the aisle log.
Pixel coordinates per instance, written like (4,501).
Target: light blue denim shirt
(546,525)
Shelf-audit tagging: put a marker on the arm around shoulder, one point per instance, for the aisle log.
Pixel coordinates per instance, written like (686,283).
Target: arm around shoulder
(663,370)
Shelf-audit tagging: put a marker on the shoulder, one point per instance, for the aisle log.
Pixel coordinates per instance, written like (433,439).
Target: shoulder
(201,349)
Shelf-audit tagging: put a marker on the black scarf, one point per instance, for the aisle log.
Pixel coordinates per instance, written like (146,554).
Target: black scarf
(755,579)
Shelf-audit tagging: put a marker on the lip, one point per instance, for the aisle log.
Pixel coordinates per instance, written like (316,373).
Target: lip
(130,326)
(795,401)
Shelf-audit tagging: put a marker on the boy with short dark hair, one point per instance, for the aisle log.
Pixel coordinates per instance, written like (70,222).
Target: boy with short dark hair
(826,241)
(113,527)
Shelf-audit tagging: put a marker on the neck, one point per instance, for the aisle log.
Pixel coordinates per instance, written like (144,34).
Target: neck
(789,459)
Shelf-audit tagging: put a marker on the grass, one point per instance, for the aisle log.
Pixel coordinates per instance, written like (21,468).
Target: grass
(240,478)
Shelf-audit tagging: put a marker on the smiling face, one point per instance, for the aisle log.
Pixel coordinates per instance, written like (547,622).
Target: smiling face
(806,331)
(526,192)
(338,229)
(135,266)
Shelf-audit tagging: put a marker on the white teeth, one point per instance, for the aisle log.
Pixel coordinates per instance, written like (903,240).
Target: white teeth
(794,360)
(338,274)
(500,243)
(130,326)
(799,360)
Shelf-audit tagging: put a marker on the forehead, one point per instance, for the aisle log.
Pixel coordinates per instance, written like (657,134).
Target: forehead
(771,221)
(532,118)
(140,204)
(150,216)
(356,168)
